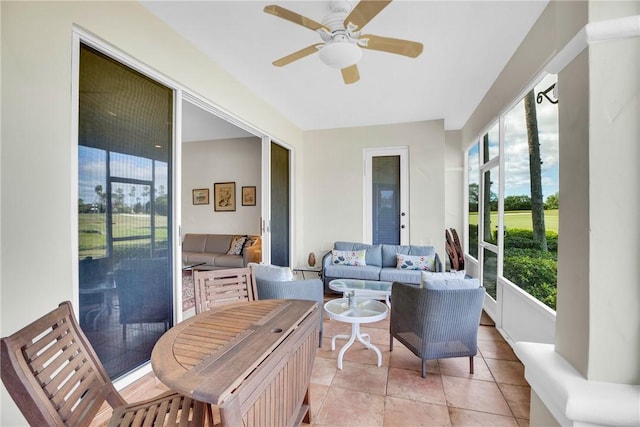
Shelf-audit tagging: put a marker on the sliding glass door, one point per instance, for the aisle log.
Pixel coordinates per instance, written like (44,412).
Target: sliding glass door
(125,144)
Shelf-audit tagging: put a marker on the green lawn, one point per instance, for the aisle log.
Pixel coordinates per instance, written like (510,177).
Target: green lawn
(92,237)
(521,219)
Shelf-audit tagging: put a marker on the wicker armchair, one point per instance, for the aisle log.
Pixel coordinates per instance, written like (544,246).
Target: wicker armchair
(436,324)
(308,289)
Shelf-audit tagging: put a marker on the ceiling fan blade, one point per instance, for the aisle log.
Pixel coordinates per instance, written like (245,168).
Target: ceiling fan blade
(364,12)
(283,13)
(387,44)
(297,55)
(350,74)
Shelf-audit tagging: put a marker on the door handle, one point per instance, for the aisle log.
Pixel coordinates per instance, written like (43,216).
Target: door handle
(402,226)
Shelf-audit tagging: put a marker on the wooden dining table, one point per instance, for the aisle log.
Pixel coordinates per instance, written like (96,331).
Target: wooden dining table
(253,360)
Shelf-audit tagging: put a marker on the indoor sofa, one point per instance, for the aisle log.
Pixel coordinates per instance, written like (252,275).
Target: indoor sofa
(388,263)
(219,251)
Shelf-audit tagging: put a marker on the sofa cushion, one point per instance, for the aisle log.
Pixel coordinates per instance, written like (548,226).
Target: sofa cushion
(373,255)
(209,259)
(451,284)
(231,261)
(270,272)
(194,242)
(355,258)
(392,274)
(389,252)
(418,262)
(218,243)
(367,272)
(236,245)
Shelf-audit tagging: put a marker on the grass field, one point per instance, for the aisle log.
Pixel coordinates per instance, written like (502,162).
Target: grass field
(521,219)
(92,232)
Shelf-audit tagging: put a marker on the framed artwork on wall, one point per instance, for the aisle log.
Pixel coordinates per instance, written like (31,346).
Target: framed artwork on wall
(249,196)
(200,196)
(224,196)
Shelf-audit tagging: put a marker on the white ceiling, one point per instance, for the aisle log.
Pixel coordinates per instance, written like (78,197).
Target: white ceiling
(466,45)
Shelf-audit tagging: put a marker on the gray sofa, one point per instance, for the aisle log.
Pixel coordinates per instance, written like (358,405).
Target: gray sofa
(380,265)
(212,250)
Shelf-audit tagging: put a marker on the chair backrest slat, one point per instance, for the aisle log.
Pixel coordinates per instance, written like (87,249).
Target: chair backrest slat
(53,374)
(219,287)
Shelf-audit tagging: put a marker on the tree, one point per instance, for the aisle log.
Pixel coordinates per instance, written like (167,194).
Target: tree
(535,171)
(102,198)
(486,202)
(473,197)
(553,201)
(517,203)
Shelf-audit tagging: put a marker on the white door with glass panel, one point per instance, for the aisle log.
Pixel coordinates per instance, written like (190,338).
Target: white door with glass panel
(386,196)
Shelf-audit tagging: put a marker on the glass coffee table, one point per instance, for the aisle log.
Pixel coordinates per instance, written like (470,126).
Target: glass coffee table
(363,288)
(361,310)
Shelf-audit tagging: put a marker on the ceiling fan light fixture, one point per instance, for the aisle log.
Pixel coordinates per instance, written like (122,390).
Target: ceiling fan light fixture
(340,54)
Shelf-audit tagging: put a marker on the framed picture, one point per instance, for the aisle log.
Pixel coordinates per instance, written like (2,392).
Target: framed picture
(200,196)
(248,196)
(224,196)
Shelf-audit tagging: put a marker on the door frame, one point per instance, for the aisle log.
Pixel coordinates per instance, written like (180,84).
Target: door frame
(368,155)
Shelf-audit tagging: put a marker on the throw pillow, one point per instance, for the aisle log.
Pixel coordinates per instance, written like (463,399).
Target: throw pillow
(236,245)
(415,262)
(348,257)
(473,283)
(271,273)
(250,241)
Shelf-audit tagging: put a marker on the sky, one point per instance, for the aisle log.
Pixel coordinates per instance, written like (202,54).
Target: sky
(516,149)
(92,172)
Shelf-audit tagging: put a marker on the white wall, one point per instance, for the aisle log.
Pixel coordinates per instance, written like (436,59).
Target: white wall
(333,176)
(227,160)
(38,172)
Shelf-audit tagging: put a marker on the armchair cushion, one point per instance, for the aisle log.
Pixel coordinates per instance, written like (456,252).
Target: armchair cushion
(437,275)
(271,273)
(440,284)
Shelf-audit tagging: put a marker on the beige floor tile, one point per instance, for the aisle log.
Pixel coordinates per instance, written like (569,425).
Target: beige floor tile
(402,413)
(518,398)
(350,408)
(360,377)
(324,370)
(489,333)
(507,371)
(483,396)
(496,350)
(466,418)
(459,367)
(403,358)
(410,385)
(317,395)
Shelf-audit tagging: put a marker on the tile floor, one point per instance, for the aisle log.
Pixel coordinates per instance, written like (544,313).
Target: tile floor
(365,395)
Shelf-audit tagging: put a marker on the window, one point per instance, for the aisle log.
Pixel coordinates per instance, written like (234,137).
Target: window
(473,168)
(530,196)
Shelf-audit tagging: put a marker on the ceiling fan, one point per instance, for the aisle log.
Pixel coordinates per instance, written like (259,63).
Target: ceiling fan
(341,36)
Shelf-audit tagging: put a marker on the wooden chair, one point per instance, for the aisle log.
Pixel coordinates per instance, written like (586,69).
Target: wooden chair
(56,379)
(219,287)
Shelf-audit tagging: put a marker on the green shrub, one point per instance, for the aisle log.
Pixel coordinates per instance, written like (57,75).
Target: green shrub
(535,272)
